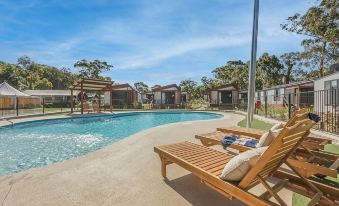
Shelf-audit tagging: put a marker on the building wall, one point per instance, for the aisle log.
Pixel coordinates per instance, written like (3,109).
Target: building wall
(320,83)
(320,94)
(235,95)
(214,97)
(177,97)
(157,97)
(272,99)
(106,98)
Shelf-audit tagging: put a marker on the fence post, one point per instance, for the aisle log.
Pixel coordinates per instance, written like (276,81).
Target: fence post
(289,106)
(265,104)
(17,106)
(43,105)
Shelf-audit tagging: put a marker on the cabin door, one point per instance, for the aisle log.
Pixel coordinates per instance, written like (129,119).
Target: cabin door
(226,97)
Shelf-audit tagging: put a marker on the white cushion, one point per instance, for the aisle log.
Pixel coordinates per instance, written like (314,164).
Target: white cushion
(277,126)
(239,165)
(267,138)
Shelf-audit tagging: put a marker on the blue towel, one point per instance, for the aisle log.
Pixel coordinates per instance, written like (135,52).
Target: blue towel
(228,140)
(251,143)
(314,117)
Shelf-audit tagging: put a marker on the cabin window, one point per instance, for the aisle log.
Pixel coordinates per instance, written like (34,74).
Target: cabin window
(48,99)
(331,92)
(59,99)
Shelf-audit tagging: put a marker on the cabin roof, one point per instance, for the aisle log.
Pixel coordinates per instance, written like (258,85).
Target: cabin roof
(166,87)
(50,92)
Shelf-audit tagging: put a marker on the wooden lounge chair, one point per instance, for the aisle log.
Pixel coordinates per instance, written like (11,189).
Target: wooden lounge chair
(207,164)
(213,138)
(309,162)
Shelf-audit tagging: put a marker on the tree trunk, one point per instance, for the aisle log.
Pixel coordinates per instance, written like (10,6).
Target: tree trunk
(288,75)
(322,58)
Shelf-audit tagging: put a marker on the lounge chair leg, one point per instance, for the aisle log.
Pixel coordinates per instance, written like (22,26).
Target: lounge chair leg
(319,194)
(271,191)
(275,188)
(164,163)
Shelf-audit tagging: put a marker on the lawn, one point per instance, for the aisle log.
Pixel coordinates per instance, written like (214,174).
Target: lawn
(257,124)
(297,200)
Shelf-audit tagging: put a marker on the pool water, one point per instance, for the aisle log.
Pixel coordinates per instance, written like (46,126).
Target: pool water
(38,143)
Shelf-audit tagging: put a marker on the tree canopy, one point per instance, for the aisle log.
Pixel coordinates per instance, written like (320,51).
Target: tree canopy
(27,74)
(141,87)
(92,69)
(320,25)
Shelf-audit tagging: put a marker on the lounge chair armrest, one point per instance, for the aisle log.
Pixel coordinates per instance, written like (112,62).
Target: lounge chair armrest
(254,133)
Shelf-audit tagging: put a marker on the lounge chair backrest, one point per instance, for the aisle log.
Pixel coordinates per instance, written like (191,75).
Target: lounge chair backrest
(276,154)
(298,116)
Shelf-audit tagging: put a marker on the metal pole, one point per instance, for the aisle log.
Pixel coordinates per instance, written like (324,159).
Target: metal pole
(71,100)
(82,97)
(43,105)
(251,71)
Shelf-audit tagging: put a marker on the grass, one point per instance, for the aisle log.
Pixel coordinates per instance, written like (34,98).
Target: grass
(297,199)
(257,124)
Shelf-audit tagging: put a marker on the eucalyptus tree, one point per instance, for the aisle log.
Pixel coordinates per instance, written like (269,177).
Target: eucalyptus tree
(141,87)
(269,71)
(92,69)
(293,66)
(320,25)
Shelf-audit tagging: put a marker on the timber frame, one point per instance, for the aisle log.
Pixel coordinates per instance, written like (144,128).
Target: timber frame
(98,85)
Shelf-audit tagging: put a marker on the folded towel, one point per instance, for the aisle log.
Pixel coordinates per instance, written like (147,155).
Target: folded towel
(228,140)
(314,117)
(251,143)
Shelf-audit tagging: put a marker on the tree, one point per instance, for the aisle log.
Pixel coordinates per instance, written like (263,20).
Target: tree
(141,87)
(11,74)
(269,71)
(292,62)
(92,69)
(24,62)
(234,72)
(155,86)
(44,84)
(320,24)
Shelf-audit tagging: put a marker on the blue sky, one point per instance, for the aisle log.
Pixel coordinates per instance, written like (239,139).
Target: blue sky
(158,42)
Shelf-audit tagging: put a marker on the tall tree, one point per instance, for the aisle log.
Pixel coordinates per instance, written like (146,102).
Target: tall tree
(234,72)
(269,71)
(11,74)
(141,87)
(92,69)
(320,24)
(292,62)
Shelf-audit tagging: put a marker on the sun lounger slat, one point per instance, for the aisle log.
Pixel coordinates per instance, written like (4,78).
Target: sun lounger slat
(209,160)
(215,163)
(203,158)
(184,150)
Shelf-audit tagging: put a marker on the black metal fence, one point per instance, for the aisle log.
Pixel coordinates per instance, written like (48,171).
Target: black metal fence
(325,103)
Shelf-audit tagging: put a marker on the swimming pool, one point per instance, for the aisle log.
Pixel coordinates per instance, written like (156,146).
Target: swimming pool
(38,143)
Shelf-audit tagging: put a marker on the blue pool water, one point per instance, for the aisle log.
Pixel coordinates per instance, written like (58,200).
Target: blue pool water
(34,144)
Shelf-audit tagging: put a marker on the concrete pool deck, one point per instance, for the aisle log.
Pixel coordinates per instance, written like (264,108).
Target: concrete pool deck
(123,173)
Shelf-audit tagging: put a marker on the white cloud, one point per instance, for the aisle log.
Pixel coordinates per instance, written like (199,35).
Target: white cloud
(180,47)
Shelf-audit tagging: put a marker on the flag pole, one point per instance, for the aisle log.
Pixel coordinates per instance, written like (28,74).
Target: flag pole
(251,71)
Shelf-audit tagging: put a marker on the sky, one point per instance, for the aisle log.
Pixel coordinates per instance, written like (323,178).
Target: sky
(154,41)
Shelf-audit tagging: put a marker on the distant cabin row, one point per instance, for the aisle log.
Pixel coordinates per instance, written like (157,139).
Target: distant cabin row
(226,96)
